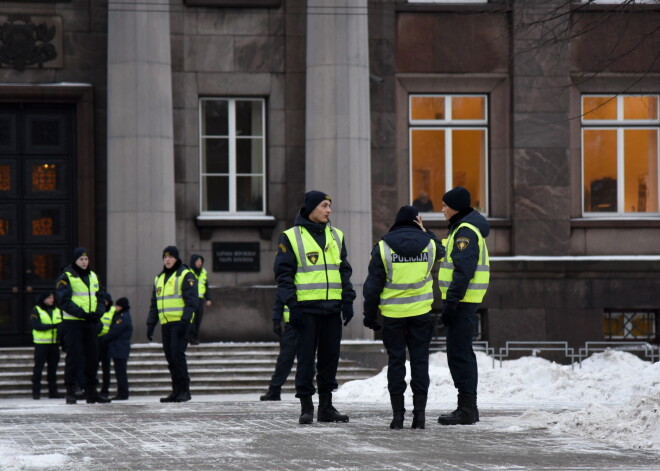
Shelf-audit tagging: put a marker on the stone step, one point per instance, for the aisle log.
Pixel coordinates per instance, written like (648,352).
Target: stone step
(218,368)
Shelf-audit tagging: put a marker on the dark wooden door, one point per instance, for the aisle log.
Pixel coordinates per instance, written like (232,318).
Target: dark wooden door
(37,197)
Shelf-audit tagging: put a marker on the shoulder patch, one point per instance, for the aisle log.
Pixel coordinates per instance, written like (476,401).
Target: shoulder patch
(61,283)
(462,243)
(282,247)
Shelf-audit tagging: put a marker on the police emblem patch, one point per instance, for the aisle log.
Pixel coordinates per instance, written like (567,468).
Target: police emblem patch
(158,290)
(313,257)
(282,247)
(462,243)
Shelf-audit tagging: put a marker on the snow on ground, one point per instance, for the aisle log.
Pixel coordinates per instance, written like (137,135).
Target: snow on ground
(11,459)
(615,396)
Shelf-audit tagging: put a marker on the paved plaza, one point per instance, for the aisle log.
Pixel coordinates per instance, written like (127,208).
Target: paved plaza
(241,433)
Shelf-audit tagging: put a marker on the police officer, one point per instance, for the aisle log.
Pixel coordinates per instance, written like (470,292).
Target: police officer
(197,269)
(118,341)
(79,295)
(400,283)
(174,300)
(106,320)
(45,319)
(288,341)
(463,278)
(313,279)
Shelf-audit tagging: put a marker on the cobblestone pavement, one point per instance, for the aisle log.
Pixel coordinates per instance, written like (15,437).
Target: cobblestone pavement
(221,434)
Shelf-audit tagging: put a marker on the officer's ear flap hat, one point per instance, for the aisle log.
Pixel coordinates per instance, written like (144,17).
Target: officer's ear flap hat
(79,252)
(312,200)
(172,251)
(457,198)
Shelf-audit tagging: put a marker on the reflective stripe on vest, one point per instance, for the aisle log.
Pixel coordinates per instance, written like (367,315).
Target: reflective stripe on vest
(169,300)
(317,276)
(408,289)
(47,336)
(479,283)
(106,320)
(82,295)
(201,281)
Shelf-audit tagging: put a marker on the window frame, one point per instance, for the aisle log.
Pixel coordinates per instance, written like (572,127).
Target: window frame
(232,174)
(449,125)
(620,125)
(628,316)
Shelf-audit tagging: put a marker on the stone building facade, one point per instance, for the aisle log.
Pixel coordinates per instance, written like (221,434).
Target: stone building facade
(202,123)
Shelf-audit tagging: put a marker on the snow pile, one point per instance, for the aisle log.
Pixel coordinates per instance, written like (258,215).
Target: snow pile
(10,459)
(617,394)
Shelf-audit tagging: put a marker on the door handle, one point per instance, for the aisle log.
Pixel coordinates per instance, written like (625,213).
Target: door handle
(28,289)
(14,289)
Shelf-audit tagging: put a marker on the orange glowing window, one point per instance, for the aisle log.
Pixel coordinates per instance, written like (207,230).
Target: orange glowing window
(450,152)
(640,107)
(468,107)
(4,227)
(427,108)
(43,266)
(5,178)
(599,107)
(44,177)
(43,226)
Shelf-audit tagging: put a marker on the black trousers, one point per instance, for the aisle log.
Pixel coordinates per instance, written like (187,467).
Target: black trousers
(175,342)
(319,339)
(285,359)
(80,342)
(121,373)
(414,334)
(105,368)
(45,353)
(460,355)
(197,321)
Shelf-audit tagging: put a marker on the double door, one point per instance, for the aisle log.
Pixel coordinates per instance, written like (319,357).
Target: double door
(37,186)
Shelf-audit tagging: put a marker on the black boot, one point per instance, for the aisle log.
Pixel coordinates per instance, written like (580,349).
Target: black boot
(419,412)
(398,411)
(306,410)
(465,413)
(93,397)
(184,391)
(270,396)
(326,412)
(453,414)
(70,394)
(171,396)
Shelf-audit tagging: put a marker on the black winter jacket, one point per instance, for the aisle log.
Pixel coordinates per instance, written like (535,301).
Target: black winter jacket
(285,268)
(118,337)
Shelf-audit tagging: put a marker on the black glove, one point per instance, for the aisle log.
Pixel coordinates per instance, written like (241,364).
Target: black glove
(296,317)
(347,313)
(150,332)
(277,327)
(370,322)
(448,314)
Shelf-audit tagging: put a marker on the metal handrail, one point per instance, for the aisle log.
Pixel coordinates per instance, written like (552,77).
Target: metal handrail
(535,347)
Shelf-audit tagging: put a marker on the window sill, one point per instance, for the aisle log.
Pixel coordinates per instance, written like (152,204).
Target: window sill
(206,224)
(235,3)
(616,223)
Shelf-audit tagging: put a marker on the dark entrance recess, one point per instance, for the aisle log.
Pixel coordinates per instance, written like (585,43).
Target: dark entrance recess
(37,210)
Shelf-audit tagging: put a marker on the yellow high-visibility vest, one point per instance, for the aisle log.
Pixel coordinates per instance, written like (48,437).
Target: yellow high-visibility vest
(82,295)
(169,298)
(201,281)
(317,276)
(286,313)
(106,320)
(47,336)
(408,289)
(479,283)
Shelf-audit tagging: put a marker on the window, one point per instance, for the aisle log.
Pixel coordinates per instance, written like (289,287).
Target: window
(630,325)
(620,155)
(232,156)
(448,148)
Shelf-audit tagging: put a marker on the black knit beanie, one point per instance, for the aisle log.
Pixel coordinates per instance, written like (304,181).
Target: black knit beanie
(79,252)
(406,213)
(312,200)
(457,198)
(123,302)
(171,250)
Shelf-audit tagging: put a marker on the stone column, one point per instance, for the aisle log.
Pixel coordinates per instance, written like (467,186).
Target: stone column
(541,128)
(141,217)
(337,130)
